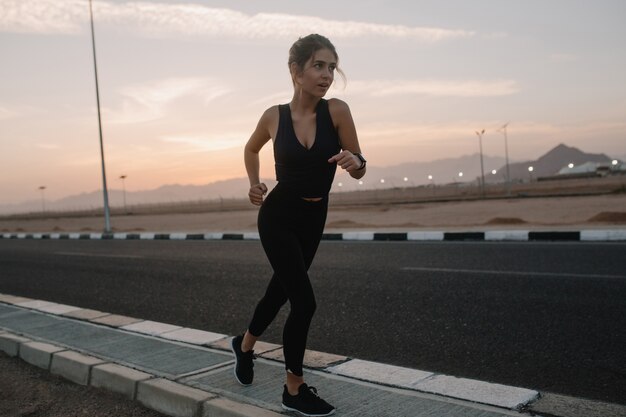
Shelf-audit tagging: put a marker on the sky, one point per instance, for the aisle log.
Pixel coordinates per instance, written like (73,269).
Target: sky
(183,83)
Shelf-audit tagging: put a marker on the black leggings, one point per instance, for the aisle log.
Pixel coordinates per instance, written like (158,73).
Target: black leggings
(290,229)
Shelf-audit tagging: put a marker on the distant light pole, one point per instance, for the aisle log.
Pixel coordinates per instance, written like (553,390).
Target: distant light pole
(123,177)
(530,173)
(482,169)
(506,155)
(43,198)
(105,193)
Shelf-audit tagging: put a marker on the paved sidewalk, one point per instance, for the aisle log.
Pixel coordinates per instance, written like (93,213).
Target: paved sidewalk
(186,372)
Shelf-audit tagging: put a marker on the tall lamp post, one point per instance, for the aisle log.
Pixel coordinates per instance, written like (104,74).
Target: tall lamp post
(123,177)
(482,169)
(43,198)
(107,215)
(506,155)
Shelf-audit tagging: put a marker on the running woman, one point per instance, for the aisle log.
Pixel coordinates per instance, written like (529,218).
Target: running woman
(311,137)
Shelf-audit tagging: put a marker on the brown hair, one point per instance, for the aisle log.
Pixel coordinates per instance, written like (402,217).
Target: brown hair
(303,49)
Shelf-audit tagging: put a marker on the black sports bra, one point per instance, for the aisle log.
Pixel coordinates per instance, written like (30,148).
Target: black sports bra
(306,172)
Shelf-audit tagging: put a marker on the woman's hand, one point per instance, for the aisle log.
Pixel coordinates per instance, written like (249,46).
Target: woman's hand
(256,194)
(346,160)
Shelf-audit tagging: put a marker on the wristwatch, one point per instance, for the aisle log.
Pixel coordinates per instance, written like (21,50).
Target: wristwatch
(363,161)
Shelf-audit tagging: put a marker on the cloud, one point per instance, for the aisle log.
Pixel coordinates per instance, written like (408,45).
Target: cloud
(45,16)
(206,143)
(195,20)
(441,88)
(149,101)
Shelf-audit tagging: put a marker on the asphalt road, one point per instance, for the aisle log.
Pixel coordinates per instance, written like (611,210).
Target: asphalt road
(546,316)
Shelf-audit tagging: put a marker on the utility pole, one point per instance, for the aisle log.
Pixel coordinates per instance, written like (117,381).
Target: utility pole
(123,178)
(506,154)
(43,198)
(107,215)
(482,168)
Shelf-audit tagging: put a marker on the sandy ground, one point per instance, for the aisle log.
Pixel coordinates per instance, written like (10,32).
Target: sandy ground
(26,390)
(554,213)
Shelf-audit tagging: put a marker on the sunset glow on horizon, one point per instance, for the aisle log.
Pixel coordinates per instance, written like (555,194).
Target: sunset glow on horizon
(183,83)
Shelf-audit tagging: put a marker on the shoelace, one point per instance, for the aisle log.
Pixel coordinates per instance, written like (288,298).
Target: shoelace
(313,391)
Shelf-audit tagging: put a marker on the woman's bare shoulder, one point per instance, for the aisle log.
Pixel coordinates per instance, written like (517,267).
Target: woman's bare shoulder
(338,108)
(339,111)
(270,115)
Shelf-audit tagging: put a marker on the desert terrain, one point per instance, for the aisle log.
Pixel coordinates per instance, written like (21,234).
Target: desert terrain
(536,213)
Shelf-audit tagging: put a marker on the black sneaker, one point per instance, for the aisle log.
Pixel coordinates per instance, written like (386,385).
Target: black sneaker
(307,402)
(243,362)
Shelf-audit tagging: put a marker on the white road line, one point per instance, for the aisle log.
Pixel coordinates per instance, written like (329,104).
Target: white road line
(492,272)
(98,255)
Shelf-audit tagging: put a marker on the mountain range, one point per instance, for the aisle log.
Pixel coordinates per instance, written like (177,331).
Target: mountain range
(441,171)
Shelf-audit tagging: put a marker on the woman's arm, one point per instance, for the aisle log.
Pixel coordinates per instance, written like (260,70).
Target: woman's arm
(342,118)
(259,138)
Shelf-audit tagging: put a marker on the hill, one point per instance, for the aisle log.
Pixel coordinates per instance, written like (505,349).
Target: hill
(442,171)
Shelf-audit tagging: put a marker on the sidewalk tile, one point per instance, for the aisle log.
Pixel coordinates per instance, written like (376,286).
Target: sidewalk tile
(193,336)
(115,320)
(380,373)
(312,358)
(85,314)
(11,299)
(477,391)
(152,328)
(259,348)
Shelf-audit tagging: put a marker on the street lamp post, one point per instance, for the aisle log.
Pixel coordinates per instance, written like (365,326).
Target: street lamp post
(530,173)
(506,155)
(482,169)
(105,193)
(43,198)
(432,183)
(123,178)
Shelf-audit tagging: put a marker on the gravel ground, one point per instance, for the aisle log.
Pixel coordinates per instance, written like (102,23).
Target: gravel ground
(26,390)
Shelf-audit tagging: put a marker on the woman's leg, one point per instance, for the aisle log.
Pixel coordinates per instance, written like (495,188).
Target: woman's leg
(266,310)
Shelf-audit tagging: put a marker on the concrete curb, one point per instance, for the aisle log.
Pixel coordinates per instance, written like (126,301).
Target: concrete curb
(591,235)
(10,344)
(176,399)
(38,354)
(162,395)
(222,407)
(74,366)
(118,379)
(172,398)
(448,386)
